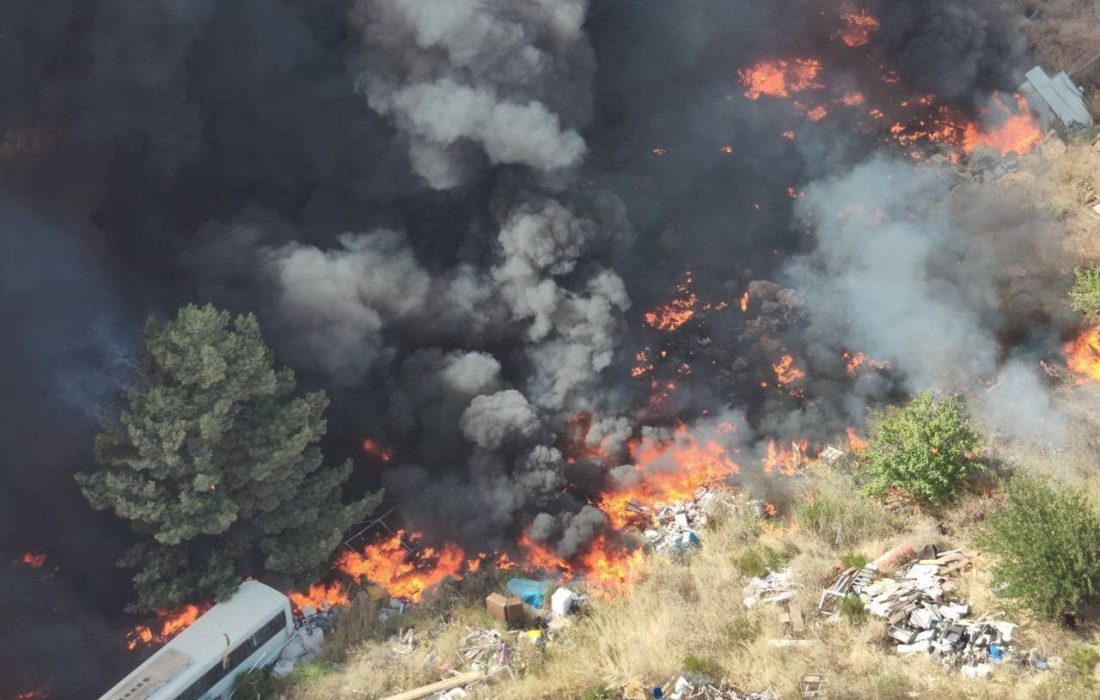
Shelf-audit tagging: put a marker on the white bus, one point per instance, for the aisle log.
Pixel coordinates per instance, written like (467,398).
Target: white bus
(202,662)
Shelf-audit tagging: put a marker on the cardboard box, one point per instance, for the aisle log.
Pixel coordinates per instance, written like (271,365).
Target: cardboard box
(506,609)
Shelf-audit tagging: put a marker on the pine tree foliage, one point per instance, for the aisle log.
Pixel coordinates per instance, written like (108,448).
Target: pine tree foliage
(926,447)
(1046,540)
(214,459)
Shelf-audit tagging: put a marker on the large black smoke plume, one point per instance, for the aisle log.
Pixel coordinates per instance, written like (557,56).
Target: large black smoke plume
(450,214)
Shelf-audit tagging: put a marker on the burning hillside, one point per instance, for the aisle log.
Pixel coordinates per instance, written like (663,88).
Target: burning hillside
(532,272)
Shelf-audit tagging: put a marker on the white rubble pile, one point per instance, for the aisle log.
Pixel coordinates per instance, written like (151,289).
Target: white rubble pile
(777,587)
(683,689)
(920,614)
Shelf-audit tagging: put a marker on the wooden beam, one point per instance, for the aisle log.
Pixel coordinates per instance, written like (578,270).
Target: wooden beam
(445,684)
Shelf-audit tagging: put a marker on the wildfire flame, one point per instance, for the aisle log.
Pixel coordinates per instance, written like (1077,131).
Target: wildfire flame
(668,471)
(1083,355)
(857,28)
(35,561)
(377,450)
(784,460)
(780,78)
(785,371)
(319,596)
(405,572)
(857,360)
(1018,131)
(855,442)
(677,312)
(611,570)
(171,623)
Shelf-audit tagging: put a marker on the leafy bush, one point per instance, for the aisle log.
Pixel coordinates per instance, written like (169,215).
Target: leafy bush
(926,448)
(853,610)
(1047,543)
(741,628)
(1085,293)
(703,666)
(1082,659)
(253,685)
(852,560)
(759,560)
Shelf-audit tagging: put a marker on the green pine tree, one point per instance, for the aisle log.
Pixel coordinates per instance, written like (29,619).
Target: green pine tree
(215,460)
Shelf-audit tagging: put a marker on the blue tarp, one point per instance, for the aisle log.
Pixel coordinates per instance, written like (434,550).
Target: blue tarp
(530,592)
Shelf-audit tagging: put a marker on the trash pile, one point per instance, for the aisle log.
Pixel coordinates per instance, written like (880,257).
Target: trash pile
(686,687)
(777,587)
(674,528)
(683,689)
(912,593)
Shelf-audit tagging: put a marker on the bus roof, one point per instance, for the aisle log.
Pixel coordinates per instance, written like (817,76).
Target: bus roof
(204,641)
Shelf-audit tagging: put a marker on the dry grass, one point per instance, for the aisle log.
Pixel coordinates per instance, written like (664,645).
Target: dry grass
(691,615)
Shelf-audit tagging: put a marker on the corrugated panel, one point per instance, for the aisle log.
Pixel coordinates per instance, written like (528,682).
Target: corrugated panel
(1061,96)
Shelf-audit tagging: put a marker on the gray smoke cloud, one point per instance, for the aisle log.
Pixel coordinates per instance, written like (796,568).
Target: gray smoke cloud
(470,80)
(490,420)
(905,273)
(339,301)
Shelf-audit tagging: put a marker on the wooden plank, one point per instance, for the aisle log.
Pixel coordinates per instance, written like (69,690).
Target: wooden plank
(445,684)
(797,624)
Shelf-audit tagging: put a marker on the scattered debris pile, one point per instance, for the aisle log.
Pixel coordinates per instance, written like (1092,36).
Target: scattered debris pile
(686,687)
(919,610)
(674,529)
(777,587)
(702,689)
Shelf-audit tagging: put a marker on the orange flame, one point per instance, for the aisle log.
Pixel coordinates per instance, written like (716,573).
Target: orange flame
(816,114)
(172,622)
(1083,355)
(858,28)
(1018,131)
(377,450)
(857,360)
(744,304)
(786,372)
(855,442)
(783,460)
(677,312)
(542,558)
(35,561)
(667,472)
(404,572)
(852,99)
(611,570)
(780,78)
(319,596)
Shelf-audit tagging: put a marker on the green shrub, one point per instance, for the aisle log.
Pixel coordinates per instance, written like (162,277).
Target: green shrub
(253,685)
(703,666)
(1047,543)
(1082,659)
(853,610)
(759,560)
(1085,294)
(741,629)
(853,560)
(926,448)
